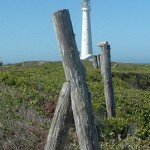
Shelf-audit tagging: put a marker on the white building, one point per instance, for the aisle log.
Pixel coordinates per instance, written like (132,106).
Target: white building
(86,44)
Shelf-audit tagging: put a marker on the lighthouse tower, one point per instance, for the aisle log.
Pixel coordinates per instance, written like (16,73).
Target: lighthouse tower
(86,44)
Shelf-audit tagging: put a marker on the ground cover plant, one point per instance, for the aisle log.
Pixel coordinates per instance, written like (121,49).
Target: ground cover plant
(29,93)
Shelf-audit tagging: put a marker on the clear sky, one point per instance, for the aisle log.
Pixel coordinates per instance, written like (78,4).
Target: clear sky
(27,33)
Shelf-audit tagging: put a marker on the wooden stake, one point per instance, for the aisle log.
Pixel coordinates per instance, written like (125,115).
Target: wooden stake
(61,121)
(107,78)
(98,60)
(95,62)
(75,72)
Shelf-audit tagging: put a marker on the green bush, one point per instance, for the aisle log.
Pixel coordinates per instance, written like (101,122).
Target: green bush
(37,87)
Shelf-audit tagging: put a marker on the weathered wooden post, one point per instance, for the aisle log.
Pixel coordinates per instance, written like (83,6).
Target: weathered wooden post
(95,62)
(107,78)
(99,60)
(75,72)
(61,121)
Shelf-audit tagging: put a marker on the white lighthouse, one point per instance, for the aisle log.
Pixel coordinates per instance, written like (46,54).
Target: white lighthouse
(86,44)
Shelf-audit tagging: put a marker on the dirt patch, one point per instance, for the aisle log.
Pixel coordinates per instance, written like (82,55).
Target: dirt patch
(49,108)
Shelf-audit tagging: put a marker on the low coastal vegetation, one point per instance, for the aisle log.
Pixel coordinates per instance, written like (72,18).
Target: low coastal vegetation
(29,94)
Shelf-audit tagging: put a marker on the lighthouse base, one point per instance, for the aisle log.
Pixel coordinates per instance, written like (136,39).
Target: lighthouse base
(86,57)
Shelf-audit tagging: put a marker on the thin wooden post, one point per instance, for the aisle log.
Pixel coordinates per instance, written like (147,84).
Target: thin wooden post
(98,60)
(61,121)
(95,62)
(107,78)
(75,72)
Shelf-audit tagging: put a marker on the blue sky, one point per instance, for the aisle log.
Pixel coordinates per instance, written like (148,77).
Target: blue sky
(27,33)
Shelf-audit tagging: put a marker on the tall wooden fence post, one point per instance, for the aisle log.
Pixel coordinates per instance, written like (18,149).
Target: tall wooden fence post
(107,78)
(74,70)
